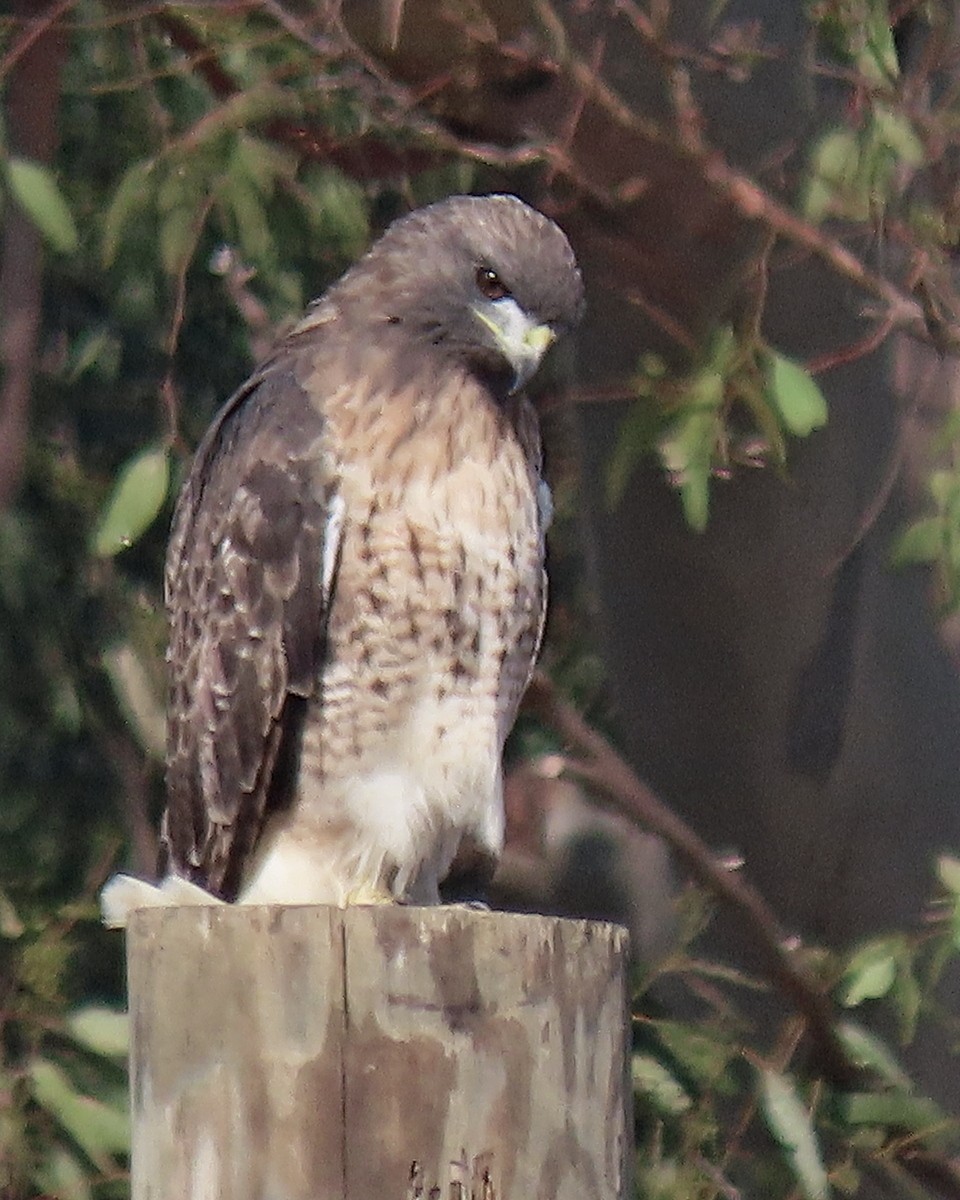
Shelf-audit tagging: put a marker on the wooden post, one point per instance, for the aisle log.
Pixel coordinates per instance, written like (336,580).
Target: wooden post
(384,1053)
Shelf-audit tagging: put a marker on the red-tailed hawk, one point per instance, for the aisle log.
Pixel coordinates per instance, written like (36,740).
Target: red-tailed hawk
(355,577)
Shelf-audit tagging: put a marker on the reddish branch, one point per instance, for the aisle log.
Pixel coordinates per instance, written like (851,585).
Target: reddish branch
(394,106)
(755,203)
(932,1170)
(364,157)
(390,105)
(34,26)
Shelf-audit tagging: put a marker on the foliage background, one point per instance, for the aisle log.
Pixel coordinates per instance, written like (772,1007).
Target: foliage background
(178,180)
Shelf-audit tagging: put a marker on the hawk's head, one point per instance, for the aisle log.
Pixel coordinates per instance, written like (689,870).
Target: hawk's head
(487,280)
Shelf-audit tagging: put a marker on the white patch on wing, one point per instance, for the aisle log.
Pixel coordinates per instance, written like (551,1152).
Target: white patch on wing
(320,312)
(332,539)
(544,505)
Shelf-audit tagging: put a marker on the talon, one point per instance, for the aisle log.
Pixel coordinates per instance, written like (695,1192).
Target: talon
(369,893)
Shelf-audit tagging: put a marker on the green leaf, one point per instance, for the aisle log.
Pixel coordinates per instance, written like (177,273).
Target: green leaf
(944,486)
(11,927)
(635,437)
(692,432)
(129,197)
(871,972)
(877,58)
(36,191)
(817,199)
(702,1055)
(867,1050)
(93,348)
(253,230)
(895,131)
(791,1125)
(769,427)
(833,162)
(337,209)
(687,452)
(179,232)
(898,1110)
(795,395)
(263,162)
(62,1175)
(906,995)
(652,1080)
(948,872)
(921,542)
(43,964)
(100,1131)
(183,182)
(100,1029)
(141,706)
(137,498)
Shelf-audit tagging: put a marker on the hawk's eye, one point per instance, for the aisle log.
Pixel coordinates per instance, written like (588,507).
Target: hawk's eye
(490,284)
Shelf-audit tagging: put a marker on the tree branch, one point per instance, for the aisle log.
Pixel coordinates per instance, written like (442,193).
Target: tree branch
(34,27)
(603,767)
(756,204)
(364,157)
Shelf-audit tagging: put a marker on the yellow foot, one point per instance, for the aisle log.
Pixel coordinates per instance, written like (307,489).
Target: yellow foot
(369,893)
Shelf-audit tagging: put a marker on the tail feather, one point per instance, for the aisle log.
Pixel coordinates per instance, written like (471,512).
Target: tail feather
(124,894)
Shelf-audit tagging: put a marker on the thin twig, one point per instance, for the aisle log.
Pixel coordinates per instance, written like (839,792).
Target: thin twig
(852,352)
(395,107)
(932,1170)
(366,156)
(756,204)
(34,28)
(661,319)
(878,502)
(572,120)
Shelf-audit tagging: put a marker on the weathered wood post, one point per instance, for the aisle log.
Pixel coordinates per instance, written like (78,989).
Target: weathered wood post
(376,1054)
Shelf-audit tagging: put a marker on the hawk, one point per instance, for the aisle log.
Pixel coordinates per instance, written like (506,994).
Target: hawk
(355,576)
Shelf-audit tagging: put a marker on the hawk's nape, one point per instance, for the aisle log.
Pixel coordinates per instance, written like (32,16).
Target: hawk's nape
(355,576)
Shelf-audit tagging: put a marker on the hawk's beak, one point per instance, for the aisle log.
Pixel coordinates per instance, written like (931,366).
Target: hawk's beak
(519,339)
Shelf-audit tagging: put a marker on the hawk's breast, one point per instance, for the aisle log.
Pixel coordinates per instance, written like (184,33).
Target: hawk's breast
(433,627)
(432,634)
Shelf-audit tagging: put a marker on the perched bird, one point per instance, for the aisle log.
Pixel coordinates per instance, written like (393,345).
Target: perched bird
(355,576)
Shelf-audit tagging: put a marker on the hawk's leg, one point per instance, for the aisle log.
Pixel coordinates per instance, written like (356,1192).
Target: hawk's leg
(468,879)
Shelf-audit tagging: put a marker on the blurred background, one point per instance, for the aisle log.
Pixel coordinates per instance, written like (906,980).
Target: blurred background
(755,566)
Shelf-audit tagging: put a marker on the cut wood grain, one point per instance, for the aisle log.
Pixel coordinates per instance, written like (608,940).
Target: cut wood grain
(385,1053)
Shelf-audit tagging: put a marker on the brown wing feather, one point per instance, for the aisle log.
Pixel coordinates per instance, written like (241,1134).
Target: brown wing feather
(247,608)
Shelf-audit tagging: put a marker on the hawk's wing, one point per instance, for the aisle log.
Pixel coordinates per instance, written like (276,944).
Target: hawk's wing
(250,570)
